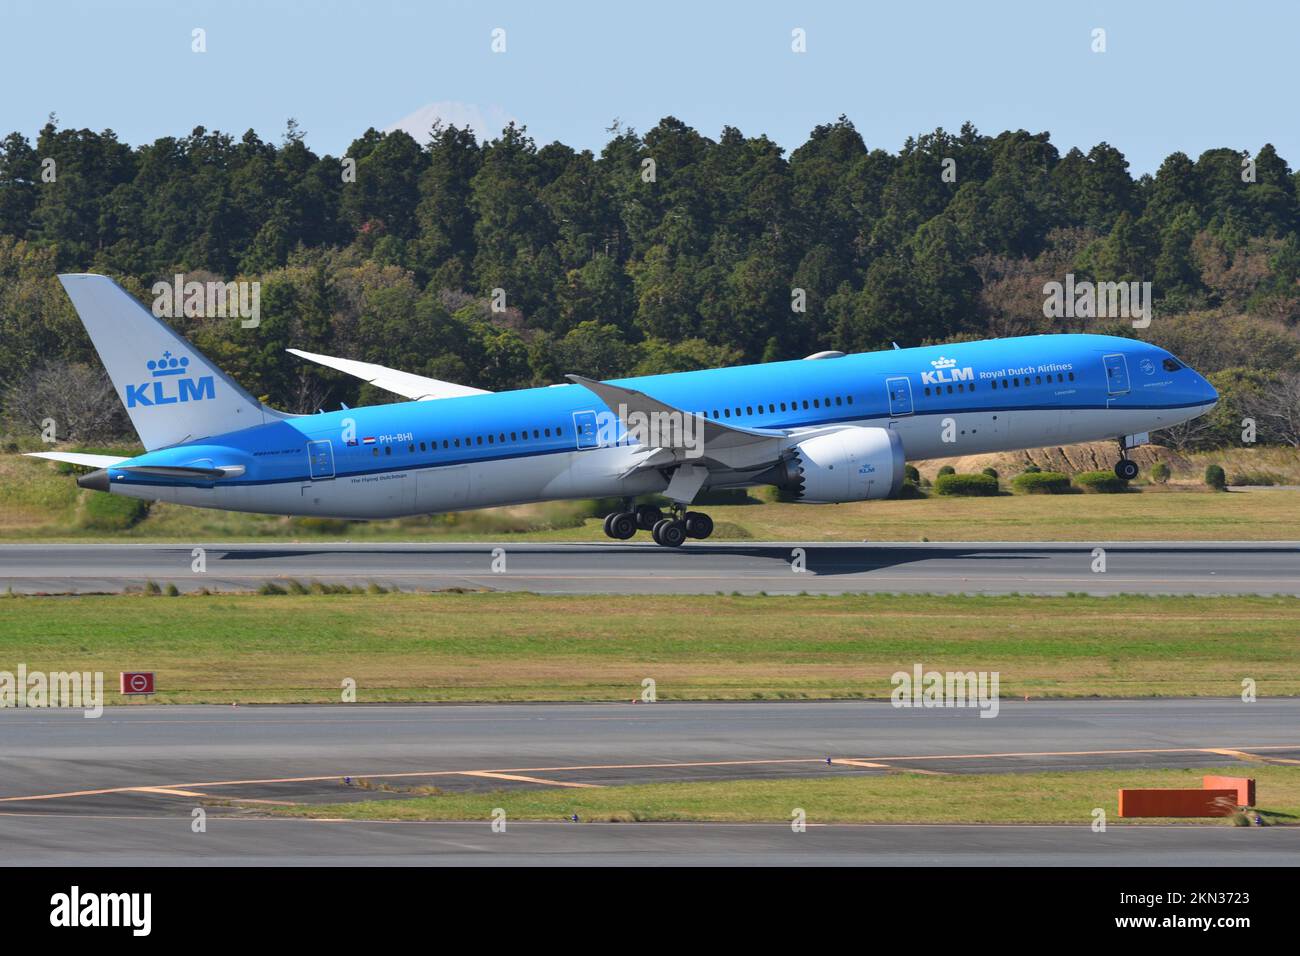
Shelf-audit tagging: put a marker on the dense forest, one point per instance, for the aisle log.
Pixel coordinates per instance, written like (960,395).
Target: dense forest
(669,250)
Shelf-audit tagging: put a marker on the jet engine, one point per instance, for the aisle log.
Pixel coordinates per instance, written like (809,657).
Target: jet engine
(852,464)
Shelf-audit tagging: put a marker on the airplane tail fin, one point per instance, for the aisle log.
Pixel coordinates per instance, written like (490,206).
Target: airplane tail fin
(172,393)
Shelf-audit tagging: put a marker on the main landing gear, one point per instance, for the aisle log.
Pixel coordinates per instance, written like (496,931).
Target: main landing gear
(1125,469)
(669,531)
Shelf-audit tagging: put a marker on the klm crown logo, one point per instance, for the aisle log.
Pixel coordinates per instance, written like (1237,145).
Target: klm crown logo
(946,371)
(168,365)
(156,392)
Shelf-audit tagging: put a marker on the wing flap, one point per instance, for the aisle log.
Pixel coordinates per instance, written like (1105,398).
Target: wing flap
(624,402)
(685,437)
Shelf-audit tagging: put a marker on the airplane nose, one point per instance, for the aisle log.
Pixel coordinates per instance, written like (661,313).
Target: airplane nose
(1210,392)
(96,480)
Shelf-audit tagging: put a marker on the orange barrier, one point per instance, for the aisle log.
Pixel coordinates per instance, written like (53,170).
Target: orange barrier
(1177,803)
(1245,787)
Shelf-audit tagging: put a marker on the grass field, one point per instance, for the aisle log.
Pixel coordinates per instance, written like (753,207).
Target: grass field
(1060,797)
(39,504)
(512,646)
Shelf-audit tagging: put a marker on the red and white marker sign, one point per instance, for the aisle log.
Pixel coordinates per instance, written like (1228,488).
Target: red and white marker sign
(136,682)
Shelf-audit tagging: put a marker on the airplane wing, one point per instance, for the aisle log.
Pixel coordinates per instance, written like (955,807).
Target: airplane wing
(415,387)
(698,441)
(76,458)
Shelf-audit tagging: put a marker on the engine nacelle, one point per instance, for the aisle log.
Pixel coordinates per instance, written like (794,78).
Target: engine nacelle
(852,464)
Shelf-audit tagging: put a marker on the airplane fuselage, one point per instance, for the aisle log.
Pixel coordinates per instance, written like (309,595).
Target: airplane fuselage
(548,443)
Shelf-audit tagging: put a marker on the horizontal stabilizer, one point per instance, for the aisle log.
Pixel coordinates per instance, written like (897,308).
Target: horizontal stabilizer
(76,458)
(415,387)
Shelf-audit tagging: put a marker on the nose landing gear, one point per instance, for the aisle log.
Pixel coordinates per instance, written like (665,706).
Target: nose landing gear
(1125,469)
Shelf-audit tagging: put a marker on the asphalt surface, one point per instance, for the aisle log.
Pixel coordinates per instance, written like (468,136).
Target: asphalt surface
(698,568)
(120,789)
(260,842)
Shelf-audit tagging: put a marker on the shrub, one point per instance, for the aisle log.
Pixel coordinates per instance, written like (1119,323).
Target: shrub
(1215,478)
(947,470)
(911,474)
(109,512)
(1032,469)
(908,490)
(1042,483)
(966,485)
(1256,478)
(1160,472)
(1101,482)
(991,472)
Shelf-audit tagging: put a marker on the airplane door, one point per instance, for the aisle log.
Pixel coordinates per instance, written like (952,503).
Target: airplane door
(900,396)
(584,426)
(320,459)
(1116,374)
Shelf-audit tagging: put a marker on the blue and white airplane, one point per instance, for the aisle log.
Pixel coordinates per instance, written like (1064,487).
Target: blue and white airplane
(829,428)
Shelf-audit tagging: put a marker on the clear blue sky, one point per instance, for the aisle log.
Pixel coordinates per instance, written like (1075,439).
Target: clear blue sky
(1176,75)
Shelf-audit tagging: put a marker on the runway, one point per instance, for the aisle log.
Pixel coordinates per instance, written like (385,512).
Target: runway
(121,788)
(698,568)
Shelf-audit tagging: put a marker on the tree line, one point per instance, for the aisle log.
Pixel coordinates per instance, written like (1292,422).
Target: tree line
(503,264)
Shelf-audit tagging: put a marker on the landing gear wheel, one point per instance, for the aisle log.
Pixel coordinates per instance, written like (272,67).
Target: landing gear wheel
(698,524)
(621,525)
(670,533)
(1126,469)
(647,516)
(608,518)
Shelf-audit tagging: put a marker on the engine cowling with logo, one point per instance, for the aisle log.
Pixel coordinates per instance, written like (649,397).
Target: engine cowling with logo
(852,464)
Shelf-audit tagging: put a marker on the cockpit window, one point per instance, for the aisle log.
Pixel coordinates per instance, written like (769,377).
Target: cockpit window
(1172,365)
